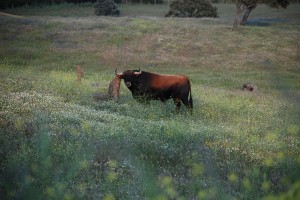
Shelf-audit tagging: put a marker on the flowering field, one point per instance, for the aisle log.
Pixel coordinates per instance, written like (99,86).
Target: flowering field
(56,142)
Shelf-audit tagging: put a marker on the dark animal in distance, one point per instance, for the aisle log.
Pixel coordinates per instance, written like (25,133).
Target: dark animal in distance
(146,86)
(248,87)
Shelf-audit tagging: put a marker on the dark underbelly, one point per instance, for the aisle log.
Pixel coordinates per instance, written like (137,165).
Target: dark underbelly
(156,95)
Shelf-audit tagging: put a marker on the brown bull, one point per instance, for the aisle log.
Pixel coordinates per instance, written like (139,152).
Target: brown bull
(146,86)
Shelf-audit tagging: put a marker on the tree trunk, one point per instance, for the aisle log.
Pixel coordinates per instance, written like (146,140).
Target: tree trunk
(236,21)
(247,13)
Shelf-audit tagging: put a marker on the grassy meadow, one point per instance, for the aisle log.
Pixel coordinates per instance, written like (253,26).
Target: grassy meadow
(56,142)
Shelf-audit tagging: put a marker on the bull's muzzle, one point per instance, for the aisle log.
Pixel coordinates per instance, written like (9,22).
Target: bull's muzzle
(128,84)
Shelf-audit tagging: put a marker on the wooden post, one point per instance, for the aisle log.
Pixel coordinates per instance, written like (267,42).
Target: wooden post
(80,73)
(114,88)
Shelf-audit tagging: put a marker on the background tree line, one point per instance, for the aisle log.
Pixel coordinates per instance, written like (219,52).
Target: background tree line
(17,3)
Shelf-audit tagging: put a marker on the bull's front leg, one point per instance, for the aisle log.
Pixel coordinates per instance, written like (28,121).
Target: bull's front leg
(177,103)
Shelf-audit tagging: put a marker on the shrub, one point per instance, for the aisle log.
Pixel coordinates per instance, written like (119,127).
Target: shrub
(148,1)
(192,8)
(106,8)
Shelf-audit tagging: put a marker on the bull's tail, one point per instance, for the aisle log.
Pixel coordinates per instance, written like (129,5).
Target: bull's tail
(190,98)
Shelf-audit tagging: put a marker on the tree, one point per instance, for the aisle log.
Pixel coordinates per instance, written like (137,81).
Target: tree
(249,5)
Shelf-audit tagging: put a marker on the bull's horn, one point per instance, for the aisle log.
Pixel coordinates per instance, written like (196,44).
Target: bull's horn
(138,73)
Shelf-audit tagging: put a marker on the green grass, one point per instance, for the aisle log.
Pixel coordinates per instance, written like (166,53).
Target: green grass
(57,143)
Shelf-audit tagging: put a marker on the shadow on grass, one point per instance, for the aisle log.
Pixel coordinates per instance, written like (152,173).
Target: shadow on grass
(266,21)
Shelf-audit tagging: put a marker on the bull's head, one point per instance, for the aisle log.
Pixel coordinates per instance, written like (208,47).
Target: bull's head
(129,76)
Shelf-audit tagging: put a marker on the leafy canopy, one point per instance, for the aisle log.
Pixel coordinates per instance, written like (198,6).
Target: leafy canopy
(271,3)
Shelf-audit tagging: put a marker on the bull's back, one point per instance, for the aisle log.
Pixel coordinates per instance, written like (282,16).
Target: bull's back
(167,81)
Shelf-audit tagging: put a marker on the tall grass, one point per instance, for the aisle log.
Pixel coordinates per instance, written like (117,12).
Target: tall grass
(57,143)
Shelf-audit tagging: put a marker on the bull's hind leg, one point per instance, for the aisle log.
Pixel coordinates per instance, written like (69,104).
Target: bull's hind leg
(185,101)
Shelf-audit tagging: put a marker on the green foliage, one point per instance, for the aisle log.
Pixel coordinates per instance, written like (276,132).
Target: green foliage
(106,8)
(57,143)
(271,3)
(191,8)
(145,1)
